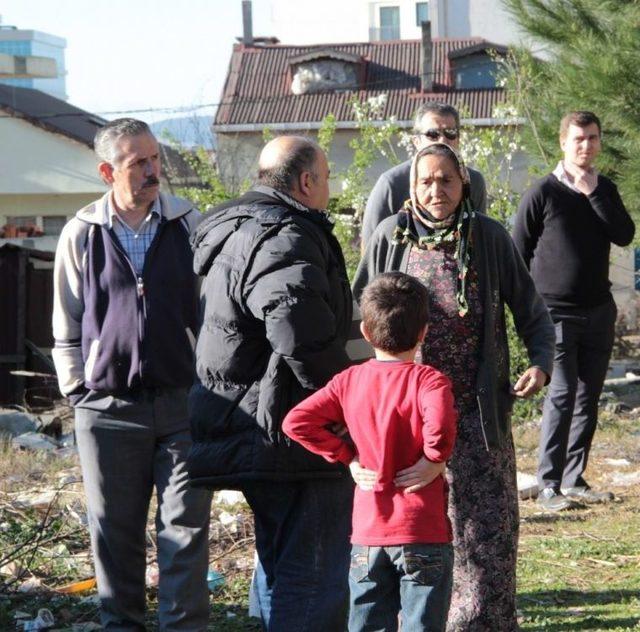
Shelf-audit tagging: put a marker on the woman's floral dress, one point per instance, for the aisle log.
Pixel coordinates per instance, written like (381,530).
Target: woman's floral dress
(482,484)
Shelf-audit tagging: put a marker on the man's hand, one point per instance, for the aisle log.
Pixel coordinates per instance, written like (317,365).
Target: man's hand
(420,474)
(585,180)
(530,382)
(365,479)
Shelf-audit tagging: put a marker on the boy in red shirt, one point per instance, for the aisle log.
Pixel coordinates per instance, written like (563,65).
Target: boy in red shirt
(395,412)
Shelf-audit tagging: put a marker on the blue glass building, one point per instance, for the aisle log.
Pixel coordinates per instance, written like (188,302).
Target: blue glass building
(14,41)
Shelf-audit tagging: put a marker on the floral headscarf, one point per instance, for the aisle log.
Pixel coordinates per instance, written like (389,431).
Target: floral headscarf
(417,225)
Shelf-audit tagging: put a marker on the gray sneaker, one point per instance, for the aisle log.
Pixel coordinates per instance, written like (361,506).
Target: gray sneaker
(552,500)
(587,495)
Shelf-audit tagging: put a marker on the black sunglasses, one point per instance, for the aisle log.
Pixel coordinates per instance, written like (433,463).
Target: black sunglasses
(450,133)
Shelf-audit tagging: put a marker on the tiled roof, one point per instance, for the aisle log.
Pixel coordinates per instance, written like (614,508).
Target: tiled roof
(258,85)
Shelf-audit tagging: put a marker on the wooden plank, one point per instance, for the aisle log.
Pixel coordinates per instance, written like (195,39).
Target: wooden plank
(21,319)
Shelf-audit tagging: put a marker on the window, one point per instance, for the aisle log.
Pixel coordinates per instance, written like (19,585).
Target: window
(475,71)
(22,220)
(389,23)
(422,13)
(53,225)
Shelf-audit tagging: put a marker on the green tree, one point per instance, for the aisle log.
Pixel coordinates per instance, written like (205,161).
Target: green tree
(589,61)
(210,190)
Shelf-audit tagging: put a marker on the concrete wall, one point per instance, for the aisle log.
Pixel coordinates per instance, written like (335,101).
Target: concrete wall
(35,161)
(238,158)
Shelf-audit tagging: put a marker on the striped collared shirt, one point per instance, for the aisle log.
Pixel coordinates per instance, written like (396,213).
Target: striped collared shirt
(136,243)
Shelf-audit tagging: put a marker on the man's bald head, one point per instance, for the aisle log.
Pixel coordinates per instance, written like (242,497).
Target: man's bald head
(284,159)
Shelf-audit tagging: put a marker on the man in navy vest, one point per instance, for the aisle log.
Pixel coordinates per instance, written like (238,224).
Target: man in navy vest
(124,323)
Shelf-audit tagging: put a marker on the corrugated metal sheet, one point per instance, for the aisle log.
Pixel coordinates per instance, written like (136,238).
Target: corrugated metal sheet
(258,86)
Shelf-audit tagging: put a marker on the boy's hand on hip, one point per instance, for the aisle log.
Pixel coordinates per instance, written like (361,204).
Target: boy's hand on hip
(419,475)
(365,479)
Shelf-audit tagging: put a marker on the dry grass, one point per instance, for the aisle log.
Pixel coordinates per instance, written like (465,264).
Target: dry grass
(578,570)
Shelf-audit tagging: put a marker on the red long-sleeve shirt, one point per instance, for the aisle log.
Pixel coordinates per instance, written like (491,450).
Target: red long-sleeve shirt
(395,412)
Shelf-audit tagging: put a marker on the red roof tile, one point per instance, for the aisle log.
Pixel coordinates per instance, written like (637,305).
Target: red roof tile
(258,85)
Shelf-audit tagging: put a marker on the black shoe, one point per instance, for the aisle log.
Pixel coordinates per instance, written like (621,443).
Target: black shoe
(588,495)
(551,500)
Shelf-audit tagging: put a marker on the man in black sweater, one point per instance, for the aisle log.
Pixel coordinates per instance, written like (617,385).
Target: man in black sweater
(564,228)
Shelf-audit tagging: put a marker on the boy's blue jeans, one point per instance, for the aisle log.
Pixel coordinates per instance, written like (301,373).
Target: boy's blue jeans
(413,579)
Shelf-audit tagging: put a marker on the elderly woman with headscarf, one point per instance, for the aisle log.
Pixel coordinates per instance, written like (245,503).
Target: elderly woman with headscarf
(471,269)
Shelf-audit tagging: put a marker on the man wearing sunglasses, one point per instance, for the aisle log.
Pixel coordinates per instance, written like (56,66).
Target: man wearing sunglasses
(433,123)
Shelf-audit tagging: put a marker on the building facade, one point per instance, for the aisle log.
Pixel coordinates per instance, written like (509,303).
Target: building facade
(335,21)
(15,41)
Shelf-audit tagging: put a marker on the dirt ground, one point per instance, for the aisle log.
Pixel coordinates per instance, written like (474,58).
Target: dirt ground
(578,570)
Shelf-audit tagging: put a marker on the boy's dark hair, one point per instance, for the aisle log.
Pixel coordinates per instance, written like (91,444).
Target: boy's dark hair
(394,308)
(580,118)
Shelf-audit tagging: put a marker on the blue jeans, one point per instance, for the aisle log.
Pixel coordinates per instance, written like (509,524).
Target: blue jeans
(413,579)
(302,541)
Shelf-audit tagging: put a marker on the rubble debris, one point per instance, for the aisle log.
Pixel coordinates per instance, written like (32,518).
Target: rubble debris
(215,580)
(39,501)
(69,477)
(626,479)
(629,378)
(50,425)
(19,614)
(91,600)
(152,574)
(43,621)
(618,462)
(34,441)
(77,587)
(228,497)
(615,408)
(30,585)
(14,422)
(527,486)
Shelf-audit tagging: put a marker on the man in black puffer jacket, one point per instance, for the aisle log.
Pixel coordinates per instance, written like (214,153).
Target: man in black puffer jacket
(276,313)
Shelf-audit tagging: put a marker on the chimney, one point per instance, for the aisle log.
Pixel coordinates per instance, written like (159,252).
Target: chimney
(426,80)
(247,28)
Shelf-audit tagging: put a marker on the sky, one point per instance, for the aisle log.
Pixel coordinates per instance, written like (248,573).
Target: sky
(158,57)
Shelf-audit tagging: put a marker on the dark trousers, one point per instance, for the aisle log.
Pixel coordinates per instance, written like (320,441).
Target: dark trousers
(129,446)
(302,540)
(411,579)
(584,340)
